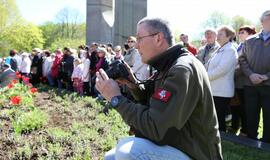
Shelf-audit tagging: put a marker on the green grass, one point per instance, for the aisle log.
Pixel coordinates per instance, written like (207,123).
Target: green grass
(233,151)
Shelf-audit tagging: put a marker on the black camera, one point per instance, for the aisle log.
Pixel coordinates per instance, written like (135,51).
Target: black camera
(117,69)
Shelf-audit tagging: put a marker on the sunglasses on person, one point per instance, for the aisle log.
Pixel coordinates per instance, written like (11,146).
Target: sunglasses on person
(131,41)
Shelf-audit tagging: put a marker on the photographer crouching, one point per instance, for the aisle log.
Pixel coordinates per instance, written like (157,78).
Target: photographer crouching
(175,118)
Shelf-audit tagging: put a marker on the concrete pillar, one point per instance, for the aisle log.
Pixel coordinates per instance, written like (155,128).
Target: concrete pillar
(106,23)
(127,14)
(100,18)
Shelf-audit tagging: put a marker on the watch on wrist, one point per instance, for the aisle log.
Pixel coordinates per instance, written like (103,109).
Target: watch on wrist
(115,101)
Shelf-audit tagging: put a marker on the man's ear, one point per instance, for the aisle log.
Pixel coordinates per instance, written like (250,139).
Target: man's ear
(159,39)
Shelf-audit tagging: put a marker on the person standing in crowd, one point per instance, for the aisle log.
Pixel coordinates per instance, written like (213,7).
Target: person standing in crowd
(11,60)
(125,48)
(36,67)
(6,75)
(140,70)
(192,49)
(86,72)
(77,76)
(174,117)
(238,107)
(103,63)
(220,69)
(56,68)
(254,62)
(132,54)
(118,53)
(93,59)
(25,67)
(47,66)
(133,59)
(207,51)
(66,68)
(110,52)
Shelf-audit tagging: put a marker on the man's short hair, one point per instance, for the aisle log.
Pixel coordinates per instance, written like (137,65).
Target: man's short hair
(212,30)
(159,25)
(266,13)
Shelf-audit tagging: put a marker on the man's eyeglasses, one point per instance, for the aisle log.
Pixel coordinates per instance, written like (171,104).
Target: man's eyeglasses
(131,41)
(141,37)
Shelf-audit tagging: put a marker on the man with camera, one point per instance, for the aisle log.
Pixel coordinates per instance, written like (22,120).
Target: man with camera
(175,117)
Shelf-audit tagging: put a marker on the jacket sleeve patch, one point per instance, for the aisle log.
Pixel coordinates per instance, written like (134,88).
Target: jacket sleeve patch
(162,95)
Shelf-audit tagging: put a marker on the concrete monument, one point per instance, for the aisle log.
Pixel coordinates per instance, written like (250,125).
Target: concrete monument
(113,20)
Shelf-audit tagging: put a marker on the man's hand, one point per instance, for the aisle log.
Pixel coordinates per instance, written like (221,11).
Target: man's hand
(108,88)
(257,78)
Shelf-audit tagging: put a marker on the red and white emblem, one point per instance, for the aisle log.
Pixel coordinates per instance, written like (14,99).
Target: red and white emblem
(162,95)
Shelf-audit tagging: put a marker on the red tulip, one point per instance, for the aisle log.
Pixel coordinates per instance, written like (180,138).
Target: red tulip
(33,90)
(14,81)
(18,75)
(29,85)
(25,79)
(10,85)
(15,100)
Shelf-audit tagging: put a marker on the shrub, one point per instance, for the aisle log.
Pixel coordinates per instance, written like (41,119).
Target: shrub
(29,121)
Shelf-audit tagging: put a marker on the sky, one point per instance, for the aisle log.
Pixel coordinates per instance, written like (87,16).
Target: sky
(184,15)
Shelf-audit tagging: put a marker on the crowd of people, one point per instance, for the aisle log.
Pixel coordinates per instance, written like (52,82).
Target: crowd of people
(238,73)
(74,69)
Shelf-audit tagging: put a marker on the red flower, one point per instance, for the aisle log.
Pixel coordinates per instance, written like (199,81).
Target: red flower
(14,81)
(15,100)
(25,79)
(29,85)
(18,75)
(10,85)
(33,90)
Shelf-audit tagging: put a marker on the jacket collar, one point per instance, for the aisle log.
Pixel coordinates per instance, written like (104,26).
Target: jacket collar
(166,59)
(227,45)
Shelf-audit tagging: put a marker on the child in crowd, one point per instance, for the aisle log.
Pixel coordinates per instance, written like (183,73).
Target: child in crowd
(77,76)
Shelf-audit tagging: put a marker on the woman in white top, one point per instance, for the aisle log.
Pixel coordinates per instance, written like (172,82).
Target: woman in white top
(84,55)
(220,69)
(25,64)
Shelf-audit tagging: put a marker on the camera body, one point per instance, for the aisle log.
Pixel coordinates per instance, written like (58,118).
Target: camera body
(117,69)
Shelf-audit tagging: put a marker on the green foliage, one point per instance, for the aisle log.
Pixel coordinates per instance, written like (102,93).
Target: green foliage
(25,151)
(238,21)
(61,43)
(69,29)
(50,33)
(23,37)
(54,150)
(9,16)
(216,19)
(29,121)
(9,13)
(58,134)
(20,90)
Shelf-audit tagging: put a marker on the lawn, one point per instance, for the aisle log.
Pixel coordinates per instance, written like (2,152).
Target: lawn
(66,126)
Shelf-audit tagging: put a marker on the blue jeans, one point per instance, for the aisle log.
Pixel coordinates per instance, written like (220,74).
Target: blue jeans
(50,79)
(133,148)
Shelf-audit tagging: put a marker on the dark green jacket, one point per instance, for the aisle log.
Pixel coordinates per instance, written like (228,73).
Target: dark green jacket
(183,115)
